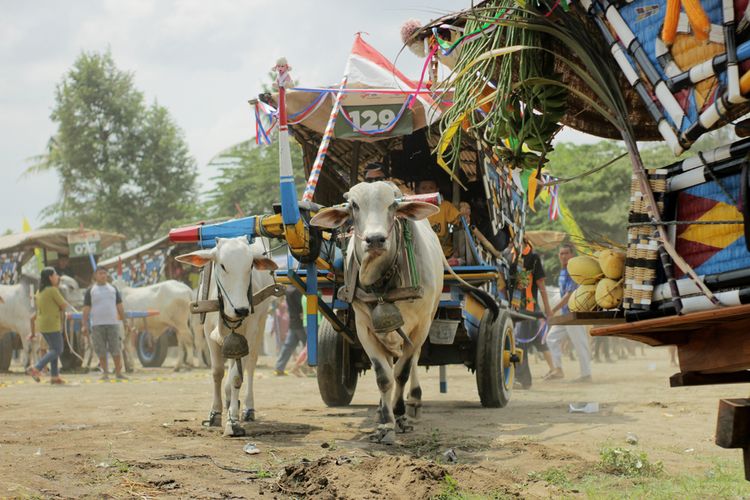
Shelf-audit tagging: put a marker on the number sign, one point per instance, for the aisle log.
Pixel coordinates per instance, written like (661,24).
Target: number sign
(371,118)
(79,244)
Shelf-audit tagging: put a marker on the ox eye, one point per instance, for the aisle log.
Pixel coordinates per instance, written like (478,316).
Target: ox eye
(224,268)
(355,206)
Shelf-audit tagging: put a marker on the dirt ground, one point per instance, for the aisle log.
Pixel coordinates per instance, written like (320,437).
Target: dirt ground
(144,438)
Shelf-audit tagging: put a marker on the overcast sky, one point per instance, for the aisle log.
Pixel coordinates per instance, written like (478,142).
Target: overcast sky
(201,59)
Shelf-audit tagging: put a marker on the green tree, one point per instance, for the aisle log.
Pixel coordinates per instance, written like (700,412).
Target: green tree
(600,202)
(123,166)
(249,178)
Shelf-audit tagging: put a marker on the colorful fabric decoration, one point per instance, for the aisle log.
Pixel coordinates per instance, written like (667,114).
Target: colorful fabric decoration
(711,248)
(684,65)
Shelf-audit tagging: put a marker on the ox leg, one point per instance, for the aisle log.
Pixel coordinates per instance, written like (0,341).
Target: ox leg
(384,377)
(401,371)
(233,428)
(250,361)
(217,370)
(414,404)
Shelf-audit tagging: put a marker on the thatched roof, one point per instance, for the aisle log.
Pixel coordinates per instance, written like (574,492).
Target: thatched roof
(51,239)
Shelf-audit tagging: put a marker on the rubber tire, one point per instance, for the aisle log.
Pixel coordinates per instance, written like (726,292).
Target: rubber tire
(6,351)
(337,375)
(69,362)
(156,357)
(494,384)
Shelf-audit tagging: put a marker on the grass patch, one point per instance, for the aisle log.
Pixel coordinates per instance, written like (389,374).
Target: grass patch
(720,479)
(628,463)
(553,476)
(452,491)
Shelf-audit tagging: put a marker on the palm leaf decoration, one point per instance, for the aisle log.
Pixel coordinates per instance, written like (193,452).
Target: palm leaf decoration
(506,91)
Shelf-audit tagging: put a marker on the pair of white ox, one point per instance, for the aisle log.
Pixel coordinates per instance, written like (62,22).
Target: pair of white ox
(372,210)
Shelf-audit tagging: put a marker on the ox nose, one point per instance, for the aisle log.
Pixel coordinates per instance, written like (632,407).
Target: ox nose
(242,312)
(376,240)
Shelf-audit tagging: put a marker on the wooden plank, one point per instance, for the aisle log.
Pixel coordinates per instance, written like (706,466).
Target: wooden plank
(688,379)
(717,348)
(588,318)
(676,324)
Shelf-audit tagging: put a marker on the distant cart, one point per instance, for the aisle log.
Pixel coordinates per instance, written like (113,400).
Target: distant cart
(146,265)
(82,246)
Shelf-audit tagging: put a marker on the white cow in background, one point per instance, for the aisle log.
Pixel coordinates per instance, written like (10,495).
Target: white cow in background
(172,299)
(236,263)
(374,211)
(18,308)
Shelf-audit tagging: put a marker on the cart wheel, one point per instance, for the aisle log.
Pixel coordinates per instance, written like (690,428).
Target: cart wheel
(152,353)
(337,375)
(6,350)
(495,369)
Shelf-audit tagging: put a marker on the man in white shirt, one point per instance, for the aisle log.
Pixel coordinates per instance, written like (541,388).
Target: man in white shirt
(103,305)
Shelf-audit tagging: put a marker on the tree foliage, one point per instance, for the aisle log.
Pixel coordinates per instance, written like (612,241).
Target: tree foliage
(123,165)
(600,202)
(248,178)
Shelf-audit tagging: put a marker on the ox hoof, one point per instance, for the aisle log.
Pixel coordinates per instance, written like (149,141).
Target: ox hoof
(248,415)
(414,410)
(214,419)
(402,425)
(383,436)
(233,429)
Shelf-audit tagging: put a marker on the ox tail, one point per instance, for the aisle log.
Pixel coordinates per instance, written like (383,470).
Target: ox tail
(485,298)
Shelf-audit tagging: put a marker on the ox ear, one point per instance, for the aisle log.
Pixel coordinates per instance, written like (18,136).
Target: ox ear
(199,258)
(264,264)
(416,210)
(330,217)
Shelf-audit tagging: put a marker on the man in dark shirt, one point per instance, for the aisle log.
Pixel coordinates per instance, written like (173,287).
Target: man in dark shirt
(63,266)
(531,332)
(296,332)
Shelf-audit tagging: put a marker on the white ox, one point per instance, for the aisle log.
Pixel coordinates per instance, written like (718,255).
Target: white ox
(236,263)
(373,210)
(172,299)
(17,309)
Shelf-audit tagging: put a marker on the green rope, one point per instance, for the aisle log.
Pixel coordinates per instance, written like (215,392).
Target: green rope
(408,242)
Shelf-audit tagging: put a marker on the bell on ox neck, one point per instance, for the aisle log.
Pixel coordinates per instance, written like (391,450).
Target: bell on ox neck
(386,317)
(235,346)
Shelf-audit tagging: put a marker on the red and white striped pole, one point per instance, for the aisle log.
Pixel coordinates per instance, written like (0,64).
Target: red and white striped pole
(312,182)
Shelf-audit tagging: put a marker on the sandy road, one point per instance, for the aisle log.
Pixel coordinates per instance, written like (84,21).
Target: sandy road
(144,438)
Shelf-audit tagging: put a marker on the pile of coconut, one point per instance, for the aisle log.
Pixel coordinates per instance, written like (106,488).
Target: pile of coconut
(600,280)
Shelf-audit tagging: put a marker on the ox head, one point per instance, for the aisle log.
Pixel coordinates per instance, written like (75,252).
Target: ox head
(372,209)
(71,291)
(234,260)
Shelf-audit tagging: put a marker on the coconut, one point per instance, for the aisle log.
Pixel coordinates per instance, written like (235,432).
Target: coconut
(612,263)
(583,299)
(608,293)
(584,270)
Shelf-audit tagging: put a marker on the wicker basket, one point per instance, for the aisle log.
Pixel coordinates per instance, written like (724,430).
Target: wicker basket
(642,256)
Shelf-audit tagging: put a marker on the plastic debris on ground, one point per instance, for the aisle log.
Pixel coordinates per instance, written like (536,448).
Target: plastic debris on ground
(251,449)
(450,456)
(583,407)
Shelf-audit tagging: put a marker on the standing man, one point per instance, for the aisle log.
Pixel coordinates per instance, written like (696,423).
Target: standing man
(577,334)
(531,285)
(296,332)
(103,304)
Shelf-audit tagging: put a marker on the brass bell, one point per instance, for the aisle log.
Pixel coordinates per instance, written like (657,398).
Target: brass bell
(386,317)
(235,346)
